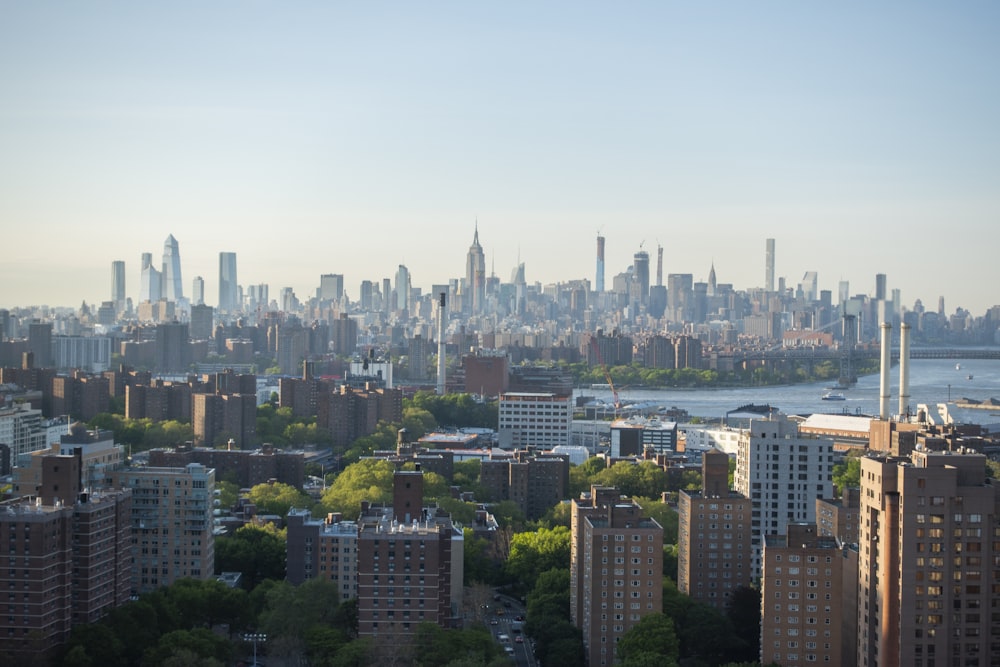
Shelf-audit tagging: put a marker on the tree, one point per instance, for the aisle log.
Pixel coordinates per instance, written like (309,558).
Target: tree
(177,648)
(654,635)
(368,479)
(277,498)
(847,473)
(534,553)
(258,551)
(743,612)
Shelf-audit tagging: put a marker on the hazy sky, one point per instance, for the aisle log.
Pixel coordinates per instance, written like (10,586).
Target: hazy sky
(350,137)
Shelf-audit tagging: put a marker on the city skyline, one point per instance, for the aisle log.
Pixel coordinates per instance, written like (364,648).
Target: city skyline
(338,139)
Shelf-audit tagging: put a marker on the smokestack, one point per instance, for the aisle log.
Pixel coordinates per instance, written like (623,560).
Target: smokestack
(441,346)
(904,368)
(884,394)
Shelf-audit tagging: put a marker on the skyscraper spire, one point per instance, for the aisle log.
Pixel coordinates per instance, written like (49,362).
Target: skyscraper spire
(475,276)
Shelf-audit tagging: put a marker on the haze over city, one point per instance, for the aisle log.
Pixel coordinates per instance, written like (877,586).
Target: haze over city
(320,138)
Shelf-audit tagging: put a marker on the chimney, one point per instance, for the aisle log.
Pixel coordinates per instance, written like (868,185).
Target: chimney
(442,318)
(904,369)
(884,393)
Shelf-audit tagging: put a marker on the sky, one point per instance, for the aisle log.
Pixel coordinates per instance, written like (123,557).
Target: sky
(345,137)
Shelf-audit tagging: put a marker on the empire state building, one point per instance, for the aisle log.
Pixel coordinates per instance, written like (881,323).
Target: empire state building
(475,276)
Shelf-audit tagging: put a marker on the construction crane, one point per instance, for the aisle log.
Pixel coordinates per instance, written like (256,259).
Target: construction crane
(607,373)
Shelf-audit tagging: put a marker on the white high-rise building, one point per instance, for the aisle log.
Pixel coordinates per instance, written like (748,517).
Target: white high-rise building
(783,474)
(228,301)
(118,285)
(402,288)
(151,281)
(542,420)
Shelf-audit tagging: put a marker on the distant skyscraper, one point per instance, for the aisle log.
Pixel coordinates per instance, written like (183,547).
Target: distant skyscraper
(402,288)
(227,282)
(172,287)
(475,276)
(366,295)
(118,285)
(769,266)
(659,265)
(331,287)
(387,301)
(640,263)
(198,291)
(712,284)
(150,284)
(599,281)
(843,292)
(810,285)
(880,291)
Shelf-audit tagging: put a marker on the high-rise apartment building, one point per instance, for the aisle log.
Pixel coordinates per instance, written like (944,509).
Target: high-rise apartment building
(171,521)
(769,265)
(118,285)
(529,419)
(783,474)
(801,599)
(173,288)
(323,548)
(475,277)
(69,558)
(215,418)
(536,483)
(928,562)
(202,322)
(40,343)
(228,301)
(713,536)
(616,570)
(409,564)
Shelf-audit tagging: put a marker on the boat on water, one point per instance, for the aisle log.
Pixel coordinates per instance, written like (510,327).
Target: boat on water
(834,396)
(958,367)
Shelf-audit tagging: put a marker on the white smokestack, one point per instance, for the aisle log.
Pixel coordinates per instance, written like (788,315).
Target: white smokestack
(884,394)
(904,368)
(442,311)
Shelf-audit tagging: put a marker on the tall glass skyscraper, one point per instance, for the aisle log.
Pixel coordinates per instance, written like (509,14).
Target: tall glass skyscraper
(640,264)
(150,284)
(769,265)
(228,301)
(118,285)
(172,288)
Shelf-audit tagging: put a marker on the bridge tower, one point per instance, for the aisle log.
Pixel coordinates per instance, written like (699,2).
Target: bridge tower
(847,343)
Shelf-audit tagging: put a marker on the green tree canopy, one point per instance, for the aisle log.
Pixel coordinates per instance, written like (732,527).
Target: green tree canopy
(537,552)
(258,551)
(654,635)
(277,498)
(367,479)
(847,473)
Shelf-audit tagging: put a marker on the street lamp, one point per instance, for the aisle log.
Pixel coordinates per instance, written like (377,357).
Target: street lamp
(255,637)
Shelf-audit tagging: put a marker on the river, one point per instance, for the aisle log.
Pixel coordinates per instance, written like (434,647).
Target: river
(932,381)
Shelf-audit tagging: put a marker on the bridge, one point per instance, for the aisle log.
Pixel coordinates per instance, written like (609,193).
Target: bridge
(867,353)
